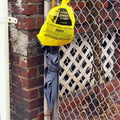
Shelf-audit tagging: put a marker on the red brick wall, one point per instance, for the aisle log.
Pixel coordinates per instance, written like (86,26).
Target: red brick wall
(26,59)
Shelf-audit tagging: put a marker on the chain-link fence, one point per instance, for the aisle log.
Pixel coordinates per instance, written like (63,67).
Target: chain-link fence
(90,66)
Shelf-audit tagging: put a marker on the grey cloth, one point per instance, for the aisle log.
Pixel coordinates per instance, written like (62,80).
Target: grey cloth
(51,75)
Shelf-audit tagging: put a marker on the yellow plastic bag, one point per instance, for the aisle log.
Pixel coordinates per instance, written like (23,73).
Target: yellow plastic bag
(58,28)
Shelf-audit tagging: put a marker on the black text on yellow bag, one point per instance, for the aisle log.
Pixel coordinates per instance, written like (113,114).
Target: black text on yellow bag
(58,28)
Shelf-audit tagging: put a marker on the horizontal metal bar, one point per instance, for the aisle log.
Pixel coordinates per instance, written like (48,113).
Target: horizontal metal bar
(12,20)
(8,20)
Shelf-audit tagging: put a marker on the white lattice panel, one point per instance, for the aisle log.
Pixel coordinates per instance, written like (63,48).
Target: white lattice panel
(76,59)
(76,63)
(108,51)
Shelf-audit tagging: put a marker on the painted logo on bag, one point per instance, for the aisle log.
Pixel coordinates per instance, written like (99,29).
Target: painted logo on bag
(62,18)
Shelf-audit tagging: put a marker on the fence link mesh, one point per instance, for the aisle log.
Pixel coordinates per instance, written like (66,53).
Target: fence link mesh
(89,82)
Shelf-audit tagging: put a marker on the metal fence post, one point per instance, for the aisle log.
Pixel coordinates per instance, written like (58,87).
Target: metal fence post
(47,7)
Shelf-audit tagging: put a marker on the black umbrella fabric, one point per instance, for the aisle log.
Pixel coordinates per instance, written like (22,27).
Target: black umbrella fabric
(51,75)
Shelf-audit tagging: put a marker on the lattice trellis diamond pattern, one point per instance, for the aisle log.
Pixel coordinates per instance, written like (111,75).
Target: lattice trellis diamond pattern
(76,62)
(76,65)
